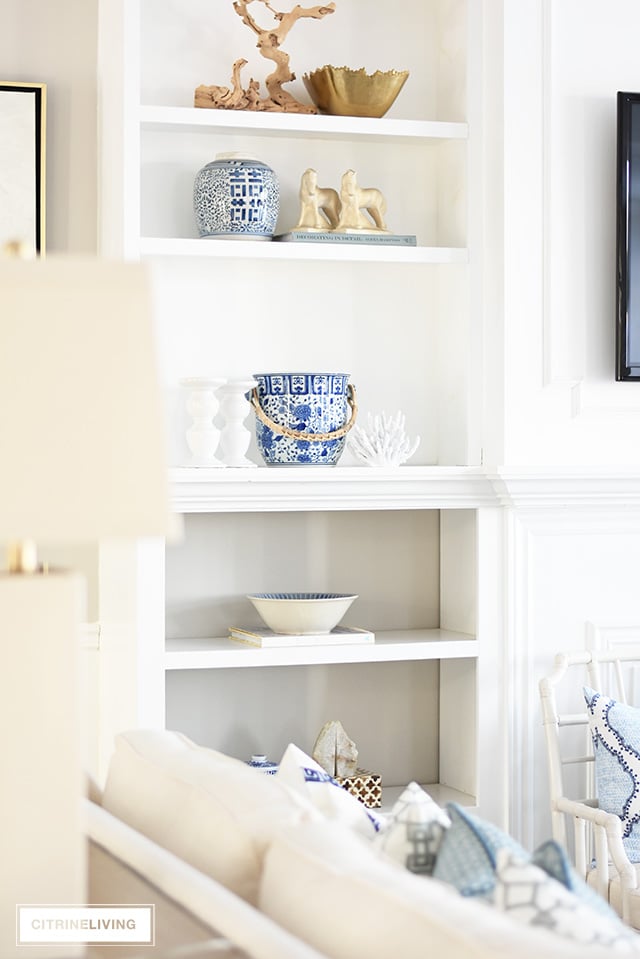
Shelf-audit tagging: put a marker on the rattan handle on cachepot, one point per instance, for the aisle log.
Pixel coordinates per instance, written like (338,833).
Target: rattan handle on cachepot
(300,434)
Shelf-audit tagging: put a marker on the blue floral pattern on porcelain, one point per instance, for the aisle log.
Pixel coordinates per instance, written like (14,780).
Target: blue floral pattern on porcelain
(236,196)
(306,403)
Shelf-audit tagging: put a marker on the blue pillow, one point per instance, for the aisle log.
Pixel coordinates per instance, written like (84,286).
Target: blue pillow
(553,859)
(468,855)
(615,728)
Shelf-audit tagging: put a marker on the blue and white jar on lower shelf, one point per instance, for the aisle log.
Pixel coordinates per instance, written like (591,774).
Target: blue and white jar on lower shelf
(236,196)
(263,765)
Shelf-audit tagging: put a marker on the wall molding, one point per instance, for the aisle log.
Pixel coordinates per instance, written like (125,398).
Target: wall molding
(603,488)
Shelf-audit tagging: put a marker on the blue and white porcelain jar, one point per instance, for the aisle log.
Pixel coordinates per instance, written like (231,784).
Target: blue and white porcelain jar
(236,196)
(303,418)
(262,764)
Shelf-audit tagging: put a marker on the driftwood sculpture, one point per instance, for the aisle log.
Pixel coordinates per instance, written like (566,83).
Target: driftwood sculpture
(269,45)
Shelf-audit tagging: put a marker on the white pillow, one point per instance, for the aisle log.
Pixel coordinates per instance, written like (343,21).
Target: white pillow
(531,896)
(310,781)
(330,887)
(414,830)
(215,812)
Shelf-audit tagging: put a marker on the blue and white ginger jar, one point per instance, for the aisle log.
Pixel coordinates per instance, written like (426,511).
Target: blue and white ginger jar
(236,196)
(262,764)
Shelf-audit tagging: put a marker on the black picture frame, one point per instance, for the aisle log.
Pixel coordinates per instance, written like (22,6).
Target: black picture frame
(23,165)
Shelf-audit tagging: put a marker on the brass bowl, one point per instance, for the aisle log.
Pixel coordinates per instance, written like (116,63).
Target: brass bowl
(344,92)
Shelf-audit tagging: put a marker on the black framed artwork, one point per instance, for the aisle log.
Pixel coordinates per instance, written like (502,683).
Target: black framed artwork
(22,165)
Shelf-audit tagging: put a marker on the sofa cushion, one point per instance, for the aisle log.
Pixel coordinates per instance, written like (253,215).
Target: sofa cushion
(213,811)
(331,888)
(615,729)
(531,896)
(127,867)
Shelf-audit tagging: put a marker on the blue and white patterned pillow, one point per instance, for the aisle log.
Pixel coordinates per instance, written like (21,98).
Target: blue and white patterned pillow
(529,895)
(553,859)
(615,728)
(468,853)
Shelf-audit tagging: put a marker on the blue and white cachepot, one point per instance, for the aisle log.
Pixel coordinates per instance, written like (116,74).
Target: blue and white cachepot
(292,408)
(236,196)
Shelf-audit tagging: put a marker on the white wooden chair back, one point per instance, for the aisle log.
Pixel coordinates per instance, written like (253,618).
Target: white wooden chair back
(568,740)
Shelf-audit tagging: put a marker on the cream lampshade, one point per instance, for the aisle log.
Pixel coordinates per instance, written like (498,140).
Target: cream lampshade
(81,459)
(81,430)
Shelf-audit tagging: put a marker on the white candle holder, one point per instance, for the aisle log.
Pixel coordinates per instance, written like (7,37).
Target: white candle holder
(235,438)
(203,436)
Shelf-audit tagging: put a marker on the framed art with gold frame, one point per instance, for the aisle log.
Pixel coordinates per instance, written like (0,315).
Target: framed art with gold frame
(22,164)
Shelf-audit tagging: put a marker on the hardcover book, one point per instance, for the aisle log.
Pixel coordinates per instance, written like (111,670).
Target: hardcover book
(372,239)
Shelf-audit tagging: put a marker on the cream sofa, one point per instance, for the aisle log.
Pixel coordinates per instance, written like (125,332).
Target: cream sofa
(277,867)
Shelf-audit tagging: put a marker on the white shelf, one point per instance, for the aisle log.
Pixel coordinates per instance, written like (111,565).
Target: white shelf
(207,490)
(297,125)
(269,250)
(439,793)
(389,646)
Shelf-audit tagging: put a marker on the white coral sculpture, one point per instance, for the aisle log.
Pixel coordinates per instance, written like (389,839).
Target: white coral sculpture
(384,442)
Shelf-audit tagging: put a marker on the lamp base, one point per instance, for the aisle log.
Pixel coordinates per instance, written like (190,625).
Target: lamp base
(42,846)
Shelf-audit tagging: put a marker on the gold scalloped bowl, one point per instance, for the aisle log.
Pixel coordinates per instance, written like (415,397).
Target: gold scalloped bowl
(344,92)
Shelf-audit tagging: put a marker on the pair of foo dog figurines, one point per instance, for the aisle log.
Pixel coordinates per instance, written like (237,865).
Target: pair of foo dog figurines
(322,210)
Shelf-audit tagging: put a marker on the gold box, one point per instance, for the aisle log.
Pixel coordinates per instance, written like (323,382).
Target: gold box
(365,786)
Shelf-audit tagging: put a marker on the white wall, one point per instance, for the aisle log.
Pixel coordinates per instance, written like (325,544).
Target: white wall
(568,427)
(54,42)
(564,62)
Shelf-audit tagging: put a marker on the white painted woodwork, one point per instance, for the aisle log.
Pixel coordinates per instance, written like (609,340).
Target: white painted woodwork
(389,646)
(572,585)
(560,404)
(322,252)
(337,488)
(300,125)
